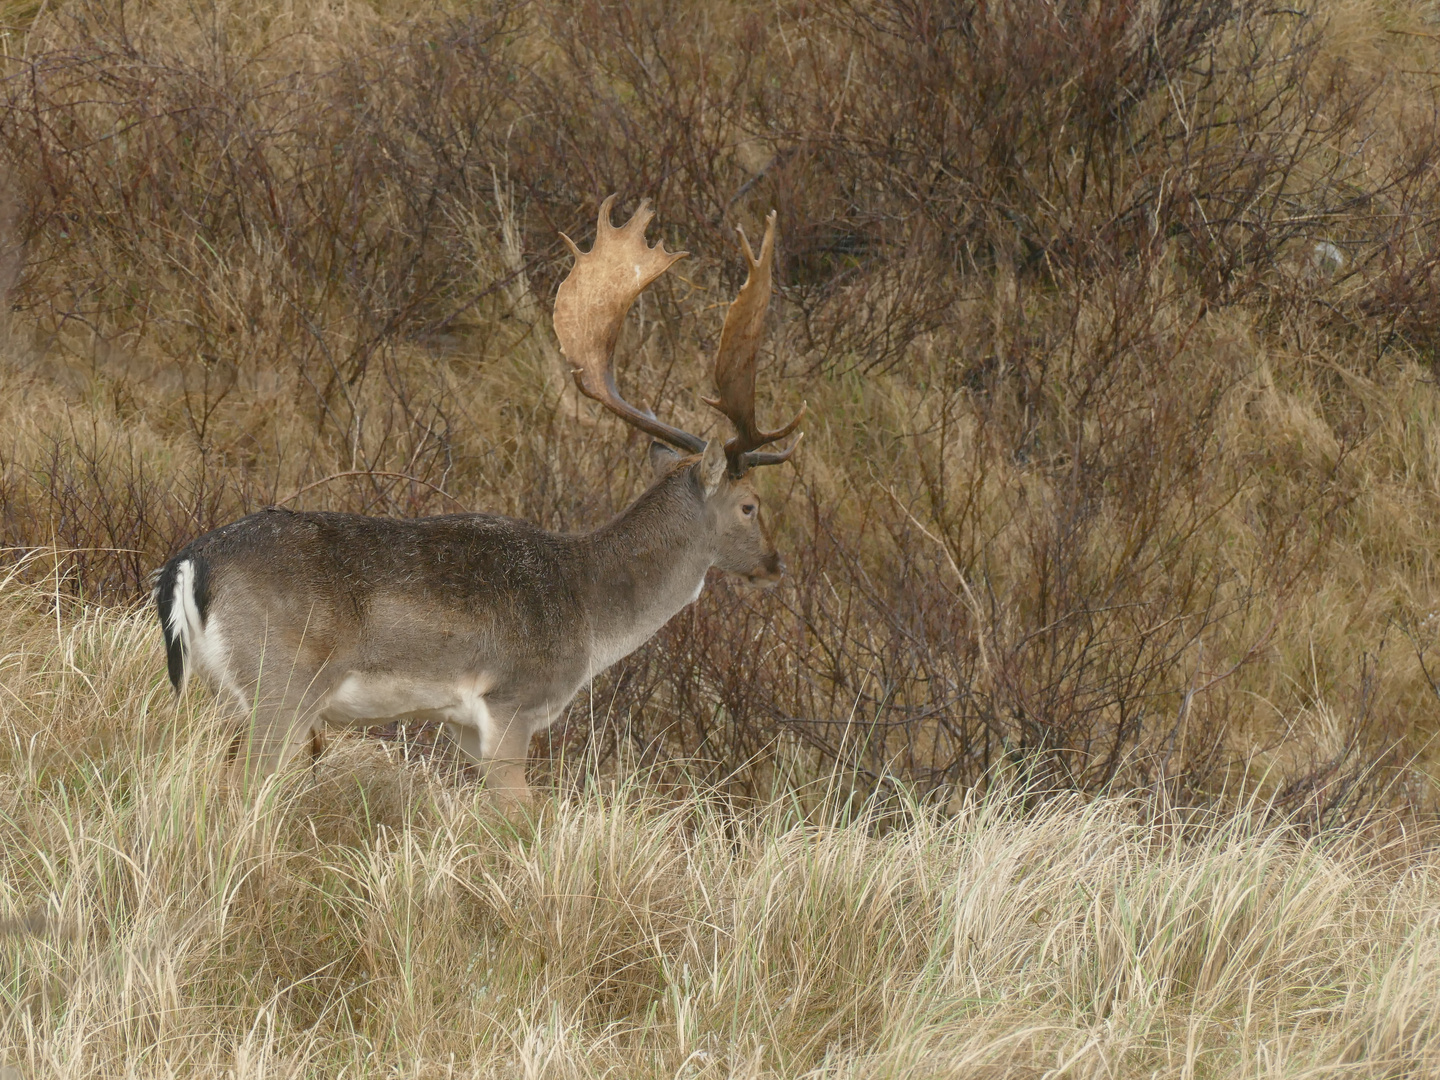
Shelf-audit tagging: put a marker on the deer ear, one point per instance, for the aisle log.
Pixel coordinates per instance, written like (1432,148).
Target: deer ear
(661,459)
(712,467)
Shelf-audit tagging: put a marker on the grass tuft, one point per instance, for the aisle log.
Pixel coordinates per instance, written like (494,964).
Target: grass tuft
(378,917)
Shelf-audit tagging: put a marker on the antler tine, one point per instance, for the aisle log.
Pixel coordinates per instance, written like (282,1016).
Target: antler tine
(735,362)
(591,305)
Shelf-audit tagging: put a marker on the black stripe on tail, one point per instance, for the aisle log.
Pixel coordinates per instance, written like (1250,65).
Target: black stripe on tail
(165,603)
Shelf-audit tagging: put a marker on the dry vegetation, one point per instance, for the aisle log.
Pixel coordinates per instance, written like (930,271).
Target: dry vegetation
(1116,322)
(1119,325)
(373,919)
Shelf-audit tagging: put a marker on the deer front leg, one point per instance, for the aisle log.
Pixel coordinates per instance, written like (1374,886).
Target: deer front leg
(500,746)
(505,768)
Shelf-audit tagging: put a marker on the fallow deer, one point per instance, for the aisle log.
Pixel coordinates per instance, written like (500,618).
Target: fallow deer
(487,624)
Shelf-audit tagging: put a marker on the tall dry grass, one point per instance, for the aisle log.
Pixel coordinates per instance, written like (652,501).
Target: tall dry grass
(1116,323)
(374,918)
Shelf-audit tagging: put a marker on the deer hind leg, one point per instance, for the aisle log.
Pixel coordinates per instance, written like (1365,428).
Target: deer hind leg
(283,719)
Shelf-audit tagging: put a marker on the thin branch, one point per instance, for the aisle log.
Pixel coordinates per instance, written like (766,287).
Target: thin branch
(372,472)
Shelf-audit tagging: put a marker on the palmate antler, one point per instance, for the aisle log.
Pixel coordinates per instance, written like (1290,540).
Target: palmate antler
(735,363)
(590,308)
(591,305)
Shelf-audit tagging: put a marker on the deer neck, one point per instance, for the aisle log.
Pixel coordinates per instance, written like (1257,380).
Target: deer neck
(644,566)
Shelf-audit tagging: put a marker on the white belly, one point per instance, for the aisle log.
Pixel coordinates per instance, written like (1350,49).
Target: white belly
(364,698)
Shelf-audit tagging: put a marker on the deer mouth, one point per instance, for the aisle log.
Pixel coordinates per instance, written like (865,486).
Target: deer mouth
(768,576)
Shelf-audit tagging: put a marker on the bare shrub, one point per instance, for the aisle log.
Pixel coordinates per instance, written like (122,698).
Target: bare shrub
(1110,317)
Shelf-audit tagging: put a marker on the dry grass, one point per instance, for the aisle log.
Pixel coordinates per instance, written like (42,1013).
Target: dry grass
(377,918)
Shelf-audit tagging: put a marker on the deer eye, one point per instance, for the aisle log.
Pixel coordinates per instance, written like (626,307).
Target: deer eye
(748,509)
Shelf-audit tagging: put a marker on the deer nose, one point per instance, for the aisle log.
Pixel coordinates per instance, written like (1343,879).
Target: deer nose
(768,573)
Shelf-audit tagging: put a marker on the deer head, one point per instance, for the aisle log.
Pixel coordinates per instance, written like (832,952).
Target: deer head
(590,308)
